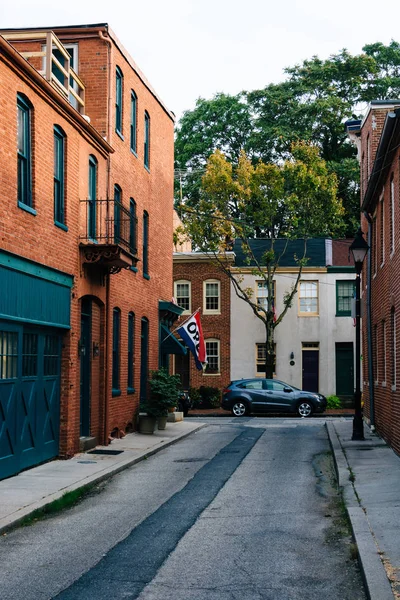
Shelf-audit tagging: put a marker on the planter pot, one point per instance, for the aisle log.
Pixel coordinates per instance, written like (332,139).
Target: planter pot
(147,424)
(162,422)
(171,409)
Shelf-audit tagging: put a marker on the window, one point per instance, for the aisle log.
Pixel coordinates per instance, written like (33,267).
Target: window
(131,351)
(29,354)
(368,156)
(391,224)
(376,365)
(118,100)
(133,122)
(308,297)
(261,358)
(344,297)
(394,353)
(375,244)
(117,213)
(212,349)
(59,176)
(145,257)
(24,152)
(251,385)
(132,227)
(51,355)
(262,294)
(183,295)
(92,192)
(115,351)
(146,140)
(8,354)
(212,296)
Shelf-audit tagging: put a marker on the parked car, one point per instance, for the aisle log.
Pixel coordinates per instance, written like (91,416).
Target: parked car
(246,396)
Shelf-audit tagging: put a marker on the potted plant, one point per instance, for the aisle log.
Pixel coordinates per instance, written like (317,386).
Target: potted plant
(164,395)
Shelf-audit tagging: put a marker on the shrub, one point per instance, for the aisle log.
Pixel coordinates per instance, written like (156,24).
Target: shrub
(333,402)
(164,392)
(195,397)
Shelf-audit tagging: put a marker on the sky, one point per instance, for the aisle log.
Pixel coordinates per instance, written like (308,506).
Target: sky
(196,48)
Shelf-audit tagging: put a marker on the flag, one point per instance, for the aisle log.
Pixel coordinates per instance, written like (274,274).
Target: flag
(192,334)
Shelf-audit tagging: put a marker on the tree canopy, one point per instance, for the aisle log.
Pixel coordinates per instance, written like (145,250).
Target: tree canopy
(296,198)
(311,105)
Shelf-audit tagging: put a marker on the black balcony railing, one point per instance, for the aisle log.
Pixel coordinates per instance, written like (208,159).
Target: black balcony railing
(109,223)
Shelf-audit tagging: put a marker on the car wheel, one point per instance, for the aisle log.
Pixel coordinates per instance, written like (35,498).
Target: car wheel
(305,409)
(239,409)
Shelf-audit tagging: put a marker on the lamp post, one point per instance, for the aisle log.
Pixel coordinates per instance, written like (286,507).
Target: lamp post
(359,249)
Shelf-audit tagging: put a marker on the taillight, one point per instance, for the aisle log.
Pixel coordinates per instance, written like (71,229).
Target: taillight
(226,390)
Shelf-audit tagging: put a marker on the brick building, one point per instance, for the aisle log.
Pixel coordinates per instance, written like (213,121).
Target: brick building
(199,283)
(86,155)
(378,139)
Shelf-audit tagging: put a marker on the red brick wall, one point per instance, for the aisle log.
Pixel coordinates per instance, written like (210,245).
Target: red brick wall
(37,238)
(385,291)
(214,326)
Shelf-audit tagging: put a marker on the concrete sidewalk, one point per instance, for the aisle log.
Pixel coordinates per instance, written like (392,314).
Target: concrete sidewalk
(31,490)
(369,474)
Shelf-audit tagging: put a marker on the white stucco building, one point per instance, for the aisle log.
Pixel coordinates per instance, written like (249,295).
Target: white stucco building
(314,341)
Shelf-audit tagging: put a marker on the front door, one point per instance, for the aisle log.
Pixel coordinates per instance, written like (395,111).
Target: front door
(85,362)
(344,369)
(182,368)
(310,370)
(29,396)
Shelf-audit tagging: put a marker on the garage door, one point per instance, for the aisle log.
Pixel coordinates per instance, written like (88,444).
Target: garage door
(29,396)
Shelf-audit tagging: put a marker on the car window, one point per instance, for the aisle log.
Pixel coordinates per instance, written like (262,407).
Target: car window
(252,385)
(277,386)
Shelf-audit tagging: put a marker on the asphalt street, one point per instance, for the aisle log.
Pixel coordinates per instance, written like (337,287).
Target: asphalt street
(238,510)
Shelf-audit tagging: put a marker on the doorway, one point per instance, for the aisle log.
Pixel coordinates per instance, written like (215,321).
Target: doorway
(344,369)
(85,365)
(310,359)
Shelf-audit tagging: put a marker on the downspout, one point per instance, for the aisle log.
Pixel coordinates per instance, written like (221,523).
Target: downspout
(107,40)
(369,327)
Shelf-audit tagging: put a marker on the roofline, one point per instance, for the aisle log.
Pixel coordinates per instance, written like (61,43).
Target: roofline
(102,27)
(392,103)
(202,256)
(380,162)
(33,74)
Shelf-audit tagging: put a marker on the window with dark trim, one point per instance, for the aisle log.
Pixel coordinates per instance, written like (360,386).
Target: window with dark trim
(131,351)
(115,351)
(91,203)
(132,227)
(133,122)
(59,176)
(147,140)
(8,354)
(117,213)
(24,143)
(118,100)
(344,296)
(145,256)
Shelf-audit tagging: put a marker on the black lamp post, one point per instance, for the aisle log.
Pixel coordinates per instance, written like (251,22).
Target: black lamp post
(359,249)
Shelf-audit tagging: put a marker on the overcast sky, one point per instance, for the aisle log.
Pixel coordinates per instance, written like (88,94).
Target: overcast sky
(193,48)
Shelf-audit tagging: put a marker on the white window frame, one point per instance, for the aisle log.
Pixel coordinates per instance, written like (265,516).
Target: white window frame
(209,311)
(384,364)
(218,371)
(181,282)
(308,313)
(258,360)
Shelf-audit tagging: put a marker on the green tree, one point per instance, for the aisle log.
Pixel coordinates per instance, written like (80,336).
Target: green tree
(311,105)
(297,198)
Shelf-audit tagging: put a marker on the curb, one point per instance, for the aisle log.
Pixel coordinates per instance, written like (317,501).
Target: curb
(12,521)
(377,584)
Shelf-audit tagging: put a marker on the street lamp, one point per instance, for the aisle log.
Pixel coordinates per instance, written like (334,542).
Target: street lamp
(359,249)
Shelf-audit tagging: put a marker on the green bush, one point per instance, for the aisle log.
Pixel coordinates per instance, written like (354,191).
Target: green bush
(333,402)
(195,397)
(164,392)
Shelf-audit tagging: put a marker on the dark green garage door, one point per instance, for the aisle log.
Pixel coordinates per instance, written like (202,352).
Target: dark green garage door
(29,396)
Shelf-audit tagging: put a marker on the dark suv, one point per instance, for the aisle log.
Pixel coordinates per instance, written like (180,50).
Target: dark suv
(246,396)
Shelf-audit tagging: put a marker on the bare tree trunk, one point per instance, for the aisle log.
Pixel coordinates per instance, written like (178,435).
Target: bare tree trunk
(269,347)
